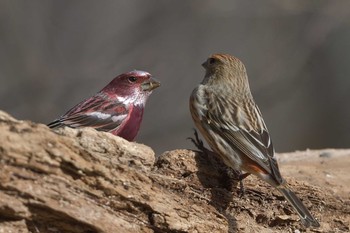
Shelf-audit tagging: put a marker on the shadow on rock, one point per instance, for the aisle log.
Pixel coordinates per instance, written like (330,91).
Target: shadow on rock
(222,182)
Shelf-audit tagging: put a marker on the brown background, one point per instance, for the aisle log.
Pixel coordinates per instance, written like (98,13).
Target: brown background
(56,53)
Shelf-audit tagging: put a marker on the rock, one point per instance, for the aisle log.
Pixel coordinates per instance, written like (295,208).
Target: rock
(13,227)
(325,154)
(81,180)
(281,220)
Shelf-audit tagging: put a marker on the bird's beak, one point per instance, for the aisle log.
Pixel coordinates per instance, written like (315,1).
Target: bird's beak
(150,85)
(204,64)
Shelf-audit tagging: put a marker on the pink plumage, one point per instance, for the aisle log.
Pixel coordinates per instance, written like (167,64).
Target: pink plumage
(118,108)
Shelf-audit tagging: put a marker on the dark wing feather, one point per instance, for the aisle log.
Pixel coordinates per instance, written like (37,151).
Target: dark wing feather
(256,144)
(99,112)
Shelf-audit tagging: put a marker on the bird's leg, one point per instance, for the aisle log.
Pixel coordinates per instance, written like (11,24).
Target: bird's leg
(198,142)
(241,177)
(212,156)
(241,185)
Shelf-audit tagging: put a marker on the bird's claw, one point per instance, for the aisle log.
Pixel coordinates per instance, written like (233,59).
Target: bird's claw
(241,177)
(241,192)
(197,141)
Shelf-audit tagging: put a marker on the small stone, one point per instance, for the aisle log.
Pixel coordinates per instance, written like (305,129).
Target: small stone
(325,155)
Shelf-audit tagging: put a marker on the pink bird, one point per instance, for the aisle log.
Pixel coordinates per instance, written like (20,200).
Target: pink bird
(117,108)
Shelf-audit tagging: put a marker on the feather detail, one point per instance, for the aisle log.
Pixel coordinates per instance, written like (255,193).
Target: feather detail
(99,112)
(223,109)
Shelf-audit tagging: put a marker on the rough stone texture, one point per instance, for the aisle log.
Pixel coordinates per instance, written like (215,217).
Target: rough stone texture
(88,181)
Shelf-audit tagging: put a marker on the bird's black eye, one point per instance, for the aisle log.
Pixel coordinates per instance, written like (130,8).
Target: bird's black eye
(211,61)
(132,79)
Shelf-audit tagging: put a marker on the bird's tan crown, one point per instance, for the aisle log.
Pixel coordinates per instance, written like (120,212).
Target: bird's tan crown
(225,58)
(217,62)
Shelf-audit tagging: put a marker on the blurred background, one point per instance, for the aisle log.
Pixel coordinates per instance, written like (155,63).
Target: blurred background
(54,54)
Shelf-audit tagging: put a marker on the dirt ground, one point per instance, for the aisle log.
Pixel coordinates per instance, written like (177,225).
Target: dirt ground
(329,169)
(318,177)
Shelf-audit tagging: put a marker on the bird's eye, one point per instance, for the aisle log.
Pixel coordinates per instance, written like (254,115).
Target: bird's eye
(211,61)
(132,79)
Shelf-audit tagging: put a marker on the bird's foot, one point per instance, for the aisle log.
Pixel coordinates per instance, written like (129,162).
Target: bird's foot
(197,142)
(241,177)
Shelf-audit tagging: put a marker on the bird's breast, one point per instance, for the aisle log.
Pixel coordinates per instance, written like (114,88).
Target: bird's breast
(130,128)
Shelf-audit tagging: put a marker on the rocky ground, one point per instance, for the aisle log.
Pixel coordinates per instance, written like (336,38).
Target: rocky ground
(88,181)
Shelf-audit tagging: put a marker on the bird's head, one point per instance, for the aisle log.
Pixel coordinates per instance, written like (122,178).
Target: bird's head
(224,65)
(132,83)
(225,70)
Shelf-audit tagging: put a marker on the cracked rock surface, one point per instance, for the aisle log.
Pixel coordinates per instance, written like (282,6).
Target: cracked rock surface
(87,181)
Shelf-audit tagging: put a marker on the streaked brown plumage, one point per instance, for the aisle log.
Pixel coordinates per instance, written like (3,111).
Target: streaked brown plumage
(224,111)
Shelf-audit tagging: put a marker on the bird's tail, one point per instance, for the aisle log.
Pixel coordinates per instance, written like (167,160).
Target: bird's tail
(302,211)
(55,124)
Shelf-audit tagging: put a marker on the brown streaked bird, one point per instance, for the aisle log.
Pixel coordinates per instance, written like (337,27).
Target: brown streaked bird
(225,113)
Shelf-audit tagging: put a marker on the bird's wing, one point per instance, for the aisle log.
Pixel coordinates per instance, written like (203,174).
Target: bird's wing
(98,112)
(256,144)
